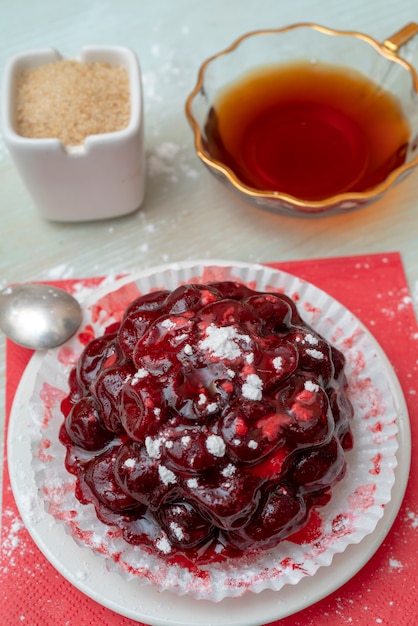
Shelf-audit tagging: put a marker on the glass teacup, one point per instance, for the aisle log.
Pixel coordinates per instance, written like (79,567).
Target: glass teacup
(379,63)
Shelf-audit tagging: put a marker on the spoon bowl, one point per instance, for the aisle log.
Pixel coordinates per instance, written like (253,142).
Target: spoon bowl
(38,316)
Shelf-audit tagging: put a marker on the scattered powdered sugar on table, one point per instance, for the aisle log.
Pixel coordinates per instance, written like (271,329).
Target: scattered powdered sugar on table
(413,519)
(11,541)
(14,541)
(167,159)
(161,160)
(170,160)
(60,272)
(395,564)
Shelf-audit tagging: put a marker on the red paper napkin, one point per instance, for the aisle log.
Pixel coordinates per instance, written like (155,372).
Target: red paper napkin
(374,288)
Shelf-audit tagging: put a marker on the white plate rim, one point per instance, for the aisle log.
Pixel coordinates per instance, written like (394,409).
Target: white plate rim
(144,603)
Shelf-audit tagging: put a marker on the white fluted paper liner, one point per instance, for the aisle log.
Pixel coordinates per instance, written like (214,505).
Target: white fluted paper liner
(357,501)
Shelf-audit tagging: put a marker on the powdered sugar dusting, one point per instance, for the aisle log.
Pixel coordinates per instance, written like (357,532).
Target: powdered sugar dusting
(315,354)
(216,445)
(11,540)
(253,387)
(311,339)
(229,471)
(177,530)
(311,386)
(278,363)
(139,374)
(223,342)
(412,519)
(163,545)
(290,561)
(166,475)
(153,447)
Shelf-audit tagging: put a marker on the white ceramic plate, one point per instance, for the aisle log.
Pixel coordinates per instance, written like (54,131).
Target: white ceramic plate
(143,602)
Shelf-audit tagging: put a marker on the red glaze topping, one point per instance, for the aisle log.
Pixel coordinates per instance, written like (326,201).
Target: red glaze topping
(212,420)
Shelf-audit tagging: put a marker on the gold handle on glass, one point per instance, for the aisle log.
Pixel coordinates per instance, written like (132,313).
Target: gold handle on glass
(397,40)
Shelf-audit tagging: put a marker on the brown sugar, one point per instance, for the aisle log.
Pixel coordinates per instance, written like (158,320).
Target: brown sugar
(70,100)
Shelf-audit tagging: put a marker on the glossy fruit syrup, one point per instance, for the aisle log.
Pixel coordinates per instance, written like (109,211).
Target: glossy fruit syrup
(208,423)
(310,130)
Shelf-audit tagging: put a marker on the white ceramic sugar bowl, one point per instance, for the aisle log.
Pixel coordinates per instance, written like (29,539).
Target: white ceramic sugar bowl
(101,178)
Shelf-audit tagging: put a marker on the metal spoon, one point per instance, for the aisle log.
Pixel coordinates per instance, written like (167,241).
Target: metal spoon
(38,316)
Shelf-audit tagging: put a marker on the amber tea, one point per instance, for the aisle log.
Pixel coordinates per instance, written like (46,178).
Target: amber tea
(306,129)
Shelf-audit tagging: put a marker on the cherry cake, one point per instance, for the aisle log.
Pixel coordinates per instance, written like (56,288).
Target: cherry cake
(208,423)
